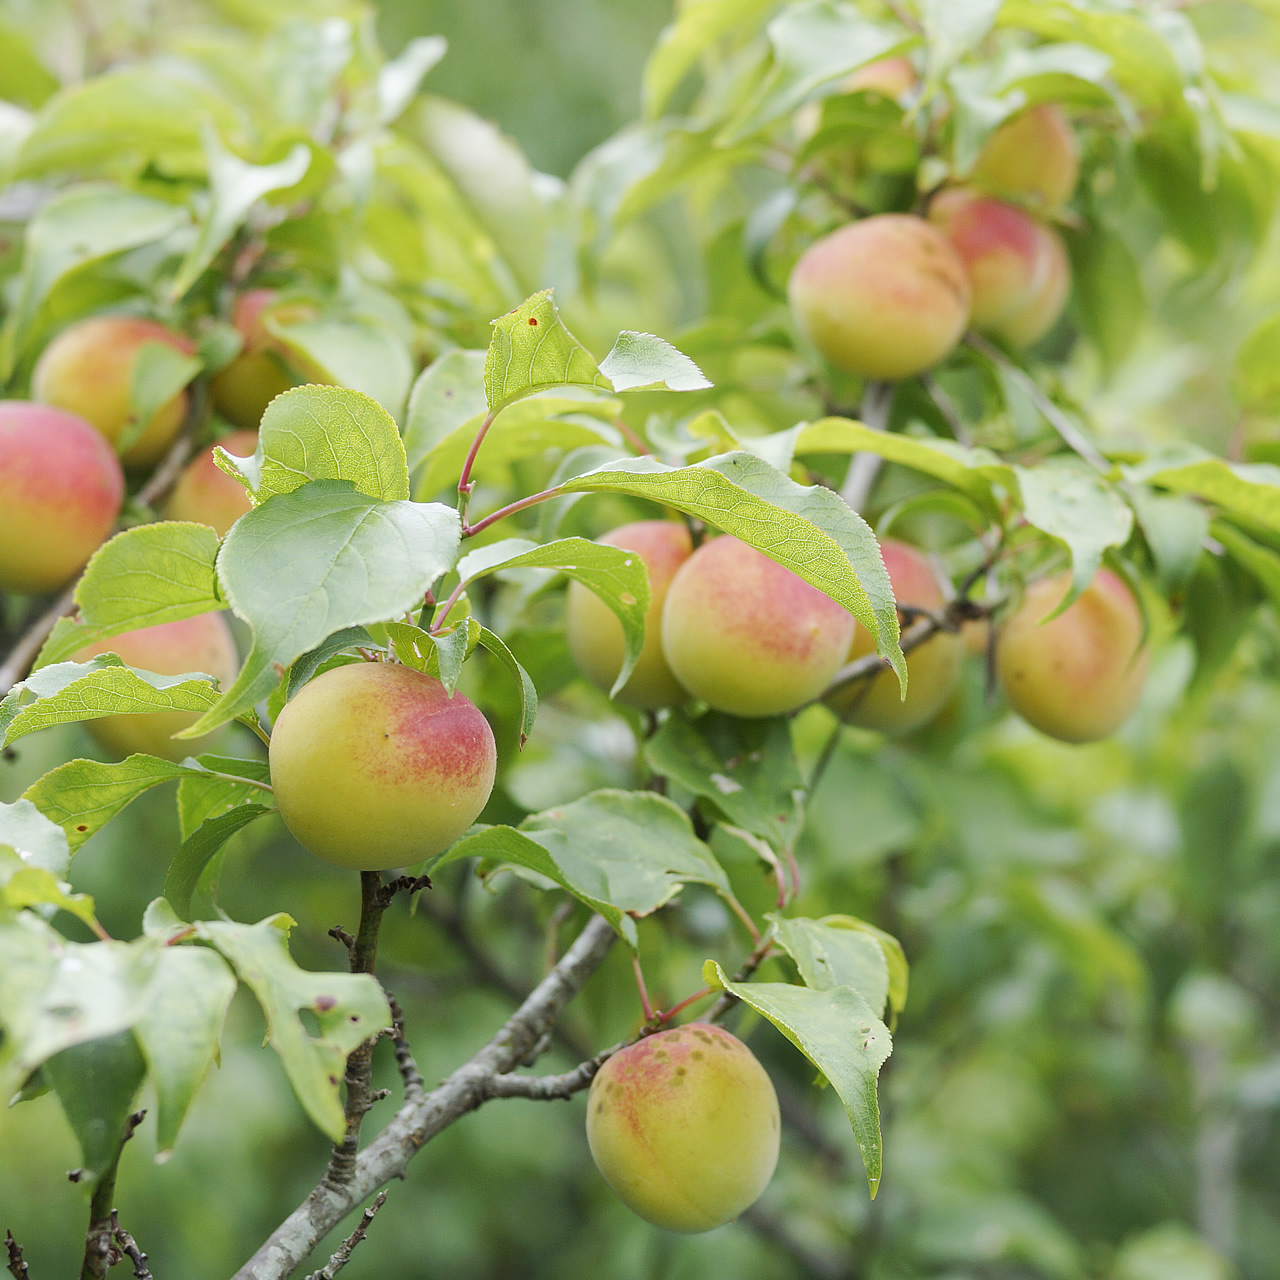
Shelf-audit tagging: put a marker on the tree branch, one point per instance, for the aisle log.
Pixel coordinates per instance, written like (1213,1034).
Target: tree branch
(417,1122)
(344,1251)
(13,1251)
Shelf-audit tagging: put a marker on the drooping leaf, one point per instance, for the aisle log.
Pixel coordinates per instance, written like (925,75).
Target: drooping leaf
(623,853)
(528,694)
(215,789)
(449,393)
(199,848)
(33,834)
(838,1032)
(358,352)
(1249,490)
(143,577)
(830,955)
(348,1008)
(305,564)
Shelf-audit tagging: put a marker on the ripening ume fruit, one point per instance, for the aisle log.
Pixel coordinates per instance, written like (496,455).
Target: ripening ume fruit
(207,495)
(595,634)
(684,1127)
(886,297)
(1033,157)
(88,369)
(61,489)
(264,367)
(932,668)
(375,766)
(1079,677)
(1017,266)
(893,77)
(747,635)
(202,644)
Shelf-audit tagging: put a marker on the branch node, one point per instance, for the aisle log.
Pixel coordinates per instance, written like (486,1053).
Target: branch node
(344,1251)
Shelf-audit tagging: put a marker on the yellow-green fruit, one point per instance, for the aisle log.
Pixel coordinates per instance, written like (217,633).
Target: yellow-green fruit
(684,1127)
(932,668)
(1032,157)
(886,297)
(88,369)
(749,636)
(1078,677)
(205,494)
(202,644)
(60,493)
(595,634)
(375,766)
(264,368)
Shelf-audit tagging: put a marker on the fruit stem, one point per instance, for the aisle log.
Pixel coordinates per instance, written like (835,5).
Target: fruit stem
(470,530)
(637,445)
(668,1014)
(644,992)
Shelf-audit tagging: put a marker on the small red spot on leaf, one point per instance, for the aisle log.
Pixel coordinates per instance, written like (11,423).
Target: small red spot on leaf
(82,827)
(325,1003)
(533,322)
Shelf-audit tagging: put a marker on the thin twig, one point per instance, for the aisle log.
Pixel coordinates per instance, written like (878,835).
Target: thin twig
(417,1122)
(128,1248)
(344,1251)
(406,1064)
(549,1088)
(13,1250)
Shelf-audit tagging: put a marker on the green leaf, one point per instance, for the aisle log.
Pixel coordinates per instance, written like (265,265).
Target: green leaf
(830,954)
(809,530)
(528,694)
(1251,491)
(1261,561)
(358,353)
(198,850)
(745,769)
(160,371)
(137,114)
(180,1029)
(308,563)
(837,1031)
(401,77)
(1175,529)
(36,837)
(235,186)
(531,350)
(142,577)
(75,227)
(54,993)
(1255,379)
(1069,502)
(697,26)
(96,1082)
(440,654)
(972,471)
(526,429)
(449,394)
(1107,288)
(202,796)
(325,433)
(623,853)
(70,691)
(813,43)
(951,31)
(310,663)
(82,796)
(22,885)
(348,1008)
(640,361)
(618,577)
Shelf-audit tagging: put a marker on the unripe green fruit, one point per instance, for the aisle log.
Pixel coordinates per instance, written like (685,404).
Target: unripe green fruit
(886,297)
(200,644)
(684,1127)
(932,668)
(1079,677)
(61,488)
(205,494)
(749,636)
(88,369)
(375,766)
(1017,266)
(594,634)
(1032,157)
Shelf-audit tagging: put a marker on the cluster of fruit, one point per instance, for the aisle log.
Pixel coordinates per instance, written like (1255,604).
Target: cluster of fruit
(63,458)
(730,626)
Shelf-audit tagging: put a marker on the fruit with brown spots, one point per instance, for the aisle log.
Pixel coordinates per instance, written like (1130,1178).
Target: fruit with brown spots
(375,766)
(1017,266)
(747,635)
(595,634)
(89,368)
(932,667)
(1078,677)
(1032,157)
(684,1127)
(886,297)
(201,644)
(60,493)
(206,494)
